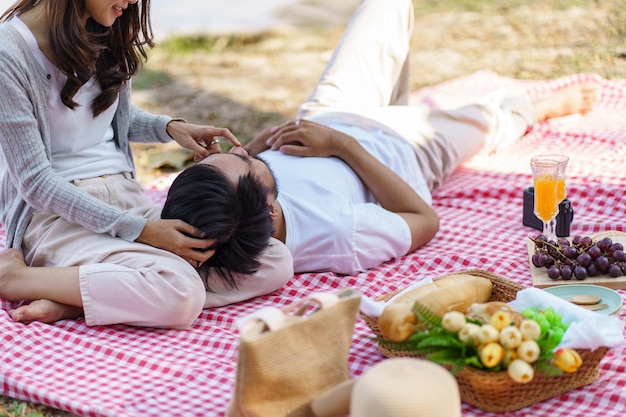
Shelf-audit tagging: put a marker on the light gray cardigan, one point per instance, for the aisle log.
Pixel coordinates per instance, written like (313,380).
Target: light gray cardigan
(27,181)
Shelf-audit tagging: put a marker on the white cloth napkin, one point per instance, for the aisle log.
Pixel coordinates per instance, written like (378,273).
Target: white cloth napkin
(587,329)
(373,308)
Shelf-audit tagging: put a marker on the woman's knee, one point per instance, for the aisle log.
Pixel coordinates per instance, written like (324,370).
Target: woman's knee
(183,304)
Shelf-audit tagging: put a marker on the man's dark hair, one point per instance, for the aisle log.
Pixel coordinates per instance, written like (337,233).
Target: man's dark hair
(237,216)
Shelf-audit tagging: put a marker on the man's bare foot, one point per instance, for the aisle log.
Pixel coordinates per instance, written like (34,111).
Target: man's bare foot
(577,98)
(44,311)
(11,265)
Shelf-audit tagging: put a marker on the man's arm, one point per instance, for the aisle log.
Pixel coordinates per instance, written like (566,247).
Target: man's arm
(392,192)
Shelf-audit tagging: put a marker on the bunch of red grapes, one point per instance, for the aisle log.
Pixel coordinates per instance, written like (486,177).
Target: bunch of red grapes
(581,258)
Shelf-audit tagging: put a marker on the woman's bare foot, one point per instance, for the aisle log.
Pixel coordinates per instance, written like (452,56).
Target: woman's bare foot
(577,98)
(14,286)
(44,311)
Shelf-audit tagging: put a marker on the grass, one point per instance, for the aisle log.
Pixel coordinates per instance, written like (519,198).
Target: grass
(20,409)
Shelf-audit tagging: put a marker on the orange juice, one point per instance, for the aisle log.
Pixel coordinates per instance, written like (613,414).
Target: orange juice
(560,193)
(546,204)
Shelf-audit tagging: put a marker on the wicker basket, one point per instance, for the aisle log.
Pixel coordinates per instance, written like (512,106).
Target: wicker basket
(496,391)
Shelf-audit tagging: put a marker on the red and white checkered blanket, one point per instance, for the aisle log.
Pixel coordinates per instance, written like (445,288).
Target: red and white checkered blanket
(121,371)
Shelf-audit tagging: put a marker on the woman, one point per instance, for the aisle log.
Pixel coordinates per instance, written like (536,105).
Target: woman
(70,200)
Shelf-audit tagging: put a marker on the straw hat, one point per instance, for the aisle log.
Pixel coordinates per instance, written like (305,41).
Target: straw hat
(406,387)
(396,387)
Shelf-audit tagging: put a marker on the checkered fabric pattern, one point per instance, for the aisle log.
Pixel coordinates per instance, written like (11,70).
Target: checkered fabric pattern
(120,371)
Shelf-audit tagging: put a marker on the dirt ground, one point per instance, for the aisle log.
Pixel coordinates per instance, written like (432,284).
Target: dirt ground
(253,81)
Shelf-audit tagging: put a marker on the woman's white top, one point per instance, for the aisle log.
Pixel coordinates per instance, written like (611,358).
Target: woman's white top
(82,146)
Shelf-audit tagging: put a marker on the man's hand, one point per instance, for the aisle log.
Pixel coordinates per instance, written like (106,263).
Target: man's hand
(176,236)
(259,143)
(306,138)
(201,140)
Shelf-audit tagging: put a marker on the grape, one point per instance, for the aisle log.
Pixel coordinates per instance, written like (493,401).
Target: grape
(550,322)
(570,252)
(614,270)
(603,264)
(543,259)
(595,252)
(586,242)
(604,244)
(592,270)
(566,272)
(584,259)
(540,240)
(530,312)
(563,242)
(558,333)
(554,272)
(580,259)
(580,273)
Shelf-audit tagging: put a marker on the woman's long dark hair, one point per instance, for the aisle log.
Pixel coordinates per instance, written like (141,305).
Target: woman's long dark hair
(113,55)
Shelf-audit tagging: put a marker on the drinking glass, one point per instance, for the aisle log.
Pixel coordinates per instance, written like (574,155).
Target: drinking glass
(545,169)
(560,179)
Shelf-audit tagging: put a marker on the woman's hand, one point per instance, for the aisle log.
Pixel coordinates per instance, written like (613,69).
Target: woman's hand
(201,140)
(259,143)
(305,138)
(176,236)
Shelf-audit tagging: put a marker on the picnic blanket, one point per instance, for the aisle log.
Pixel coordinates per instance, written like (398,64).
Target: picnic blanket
(121,371)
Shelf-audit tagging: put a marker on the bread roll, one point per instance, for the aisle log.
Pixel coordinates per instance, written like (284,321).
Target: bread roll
(452,292)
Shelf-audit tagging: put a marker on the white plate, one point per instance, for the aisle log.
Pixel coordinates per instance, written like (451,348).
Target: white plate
(608,296)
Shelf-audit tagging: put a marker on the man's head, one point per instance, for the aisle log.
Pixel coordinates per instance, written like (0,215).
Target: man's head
(231,202)
(238,162)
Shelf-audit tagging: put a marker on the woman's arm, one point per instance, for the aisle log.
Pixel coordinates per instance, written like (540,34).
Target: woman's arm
(27,169)
(392,192)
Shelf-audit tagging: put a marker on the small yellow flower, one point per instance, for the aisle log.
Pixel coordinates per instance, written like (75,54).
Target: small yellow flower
(487,334)
(491,354)
(520,371)
(453,321)
(530,330)
(469,333)
(510,337)
(500,319)
(509,356)
(528,350)
(567,360)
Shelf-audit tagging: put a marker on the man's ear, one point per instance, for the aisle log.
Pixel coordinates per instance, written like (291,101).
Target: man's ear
(273,211)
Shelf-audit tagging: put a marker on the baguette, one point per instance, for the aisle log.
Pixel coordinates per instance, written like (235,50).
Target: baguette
(453,292)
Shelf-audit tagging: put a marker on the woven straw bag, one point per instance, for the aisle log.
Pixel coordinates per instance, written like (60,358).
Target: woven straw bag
(287,357)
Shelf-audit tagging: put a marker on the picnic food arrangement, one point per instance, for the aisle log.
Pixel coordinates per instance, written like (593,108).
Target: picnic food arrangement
(595,259)
(503,359)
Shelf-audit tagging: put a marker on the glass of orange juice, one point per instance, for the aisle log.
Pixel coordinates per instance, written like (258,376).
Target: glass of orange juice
(545,171)
(562,160)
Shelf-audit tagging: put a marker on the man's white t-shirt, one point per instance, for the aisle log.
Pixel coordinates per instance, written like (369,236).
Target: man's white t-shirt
(333,223)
